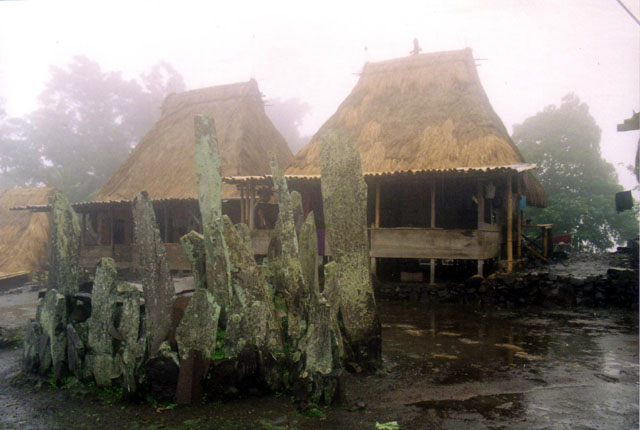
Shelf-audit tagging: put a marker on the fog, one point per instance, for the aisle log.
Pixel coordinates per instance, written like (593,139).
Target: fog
(533,51)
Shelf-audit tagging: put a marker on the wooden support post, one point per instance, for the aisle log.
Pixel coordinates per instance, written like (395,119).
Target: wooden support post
(480,267)
(377,219)
(166,224)
(83,238)
(545,241)
(480,197)
(519,237)
(242,218)
(113,223)
(509,224)
(252,209)
(432,262)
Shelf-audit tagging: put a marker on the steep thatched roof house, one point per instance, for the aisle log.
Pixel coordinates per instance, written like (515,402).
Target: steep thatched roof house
(163,164)
(24,236)
(433,150)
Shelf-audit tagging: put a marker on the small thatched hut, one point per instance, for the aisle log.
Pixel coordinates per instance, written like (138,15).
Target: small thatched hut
(163,164)
(24,236)
(444,176)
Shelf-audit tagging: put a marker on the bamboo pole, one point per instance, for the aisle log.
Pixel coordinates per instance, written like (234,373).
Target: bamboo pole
(509,224)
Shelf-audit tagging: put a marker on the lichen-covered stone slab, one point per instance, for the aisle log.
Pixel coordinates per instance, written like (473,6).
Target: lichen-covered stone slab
(344,195)
(157,284)
(31,346)
(131,352)
(75,352)
(252,323)
(295,291)
(53,319)
(320,355)
(64,246)
(209,180)
(308,241)
(245,234)
(199,325)
(193,245)
(298,211)
(101,322)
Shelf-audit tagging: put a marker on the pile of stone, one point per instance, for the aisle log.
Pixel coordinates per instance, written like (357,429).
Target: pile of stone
(618,287)
(244,326)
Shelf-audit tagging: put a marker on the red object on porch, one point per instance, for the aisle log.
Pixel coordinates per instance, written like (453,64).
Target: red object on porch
(562,238)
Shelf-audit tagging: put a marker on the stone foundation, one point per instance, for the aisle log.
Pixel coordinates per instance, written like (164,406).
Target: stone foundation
(619,288)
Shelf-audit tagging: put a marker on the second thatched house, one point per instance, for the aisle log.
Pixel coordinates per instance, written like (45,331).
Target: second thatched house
(24,236)
(163,164)
(445,180)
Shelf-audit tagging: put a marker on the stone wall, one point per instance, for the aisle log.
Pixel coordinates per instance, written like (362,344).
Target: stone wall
(619,288)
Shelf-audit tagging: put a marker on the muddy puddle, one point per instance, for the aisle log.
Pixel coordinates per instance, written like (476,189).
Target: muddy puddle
(445,367)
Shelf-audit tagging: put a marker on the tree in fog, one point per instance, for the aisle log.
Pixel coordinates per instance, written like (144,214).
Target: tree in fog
(87,122)
(564,142)
(287,116)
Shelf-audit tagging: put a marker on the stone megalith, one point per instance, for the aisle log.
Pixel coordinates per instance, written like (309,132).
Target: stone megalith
(101,322)
(53,320)
(308,241)
(196,337)
(64,246)
(294,288)
(344,196)
(209,180)
(193,245)
(157,284)
(252,323)
(130,354)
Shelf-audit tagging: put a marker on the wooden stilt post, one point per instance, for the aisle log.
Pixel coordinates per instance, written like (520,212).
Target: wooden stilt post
(480,197)
(377,219)
(252,192)
(432,262)
(113,223)
(166,224)
(242,219)
(519,220)
(509,224)
(376,224)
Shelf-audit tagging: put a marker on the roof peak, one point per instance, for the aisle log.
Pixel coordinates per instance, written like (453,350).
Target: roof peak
(418,60)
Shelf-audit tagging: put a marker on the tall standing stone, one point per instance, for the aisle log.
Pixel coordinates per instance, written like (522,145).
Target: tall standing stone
(196,337)
(252,323)
(53,319)
(101,323)
(193,245)
(157,284)
(308,241)
(65,247)
(132,348)
(295,291)
(209,180)
(344,195)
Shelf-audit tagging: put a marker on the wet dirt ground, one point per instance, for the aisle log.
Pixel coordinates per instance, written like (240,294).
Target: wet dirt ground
(445,367)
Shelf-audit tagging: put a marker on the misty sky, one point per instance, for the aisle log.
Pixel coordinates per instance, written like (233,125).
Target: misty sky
(536,51)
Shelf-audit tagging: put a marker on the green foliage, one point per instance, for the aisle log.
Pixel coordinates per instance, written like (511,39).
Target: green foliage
(313,413)
(219,354)
(87,123)
(565,143)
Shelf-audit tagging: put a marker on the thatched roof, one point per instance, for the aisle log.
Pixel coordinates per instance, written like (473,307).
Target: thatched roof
(24,236)
(419,113)
(163,161)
